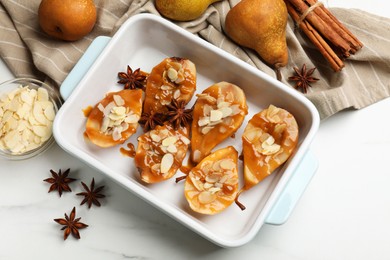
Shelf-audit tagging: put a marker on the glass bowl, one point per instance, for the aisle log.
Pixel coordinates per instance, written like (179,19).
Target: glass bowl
(39,136)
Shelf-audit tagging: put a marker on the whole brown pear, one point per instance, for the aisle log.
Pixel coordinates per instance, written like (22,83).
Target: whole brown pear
(68,20)
(183,10)
(260,25)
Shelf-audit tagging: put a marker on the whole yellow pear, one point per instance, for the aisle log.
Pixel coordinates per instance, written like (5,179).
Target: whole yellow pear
(260,25)
(183,10)
(68,20)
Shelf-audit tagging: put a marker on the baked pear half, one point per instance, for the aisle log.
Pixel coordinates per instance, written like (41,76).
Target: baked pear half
(212,185)
(173,78)
(269,139)
(115,118)
(160,152)
(218,112)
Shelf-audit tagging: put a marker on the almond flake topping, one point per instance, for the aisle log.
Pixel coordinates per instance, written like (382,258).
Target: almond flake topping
(217,175)
(172,74)
(185,140)
(206,197)
(166,163)
(268,145)
(217,111)
(169,140)
(116,118)
(272,114)
(118,100)
(215,115)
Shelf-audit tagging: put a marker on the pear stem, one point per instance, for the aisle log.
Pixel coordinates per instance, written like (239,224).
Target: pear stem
(239,204)
(277,71)
(179,179)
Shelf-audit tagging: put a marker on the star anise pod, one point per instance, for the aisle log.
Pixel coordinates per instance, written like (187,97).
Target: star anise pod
(177,114)
(303,78)
(59,181)
(91,195)
(71,225)
(151,120)
(132,79)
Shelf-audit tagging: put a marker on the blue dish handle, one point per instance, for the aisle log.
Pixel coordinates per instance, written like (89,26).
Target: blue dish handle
(82,66)
(293,191)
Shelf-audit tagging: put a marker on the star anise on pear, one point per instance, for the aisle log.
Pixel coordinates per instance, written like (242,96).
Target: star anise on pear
(151,120)
(132,79)
(59,181)
(71,225)
(91,195)
(303,78)
(177,114)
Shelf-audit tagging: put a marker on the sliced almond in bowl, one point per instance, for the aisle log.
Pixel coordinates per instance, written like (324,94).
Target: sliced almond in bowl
(26,118)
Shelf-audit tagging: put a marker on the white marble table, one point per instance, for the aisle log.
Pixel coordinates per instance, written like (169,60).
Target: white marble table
(344,213)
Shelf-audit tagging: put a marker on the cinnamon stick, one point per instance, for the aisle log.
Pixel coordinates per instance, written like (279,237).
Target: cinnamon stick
(337,26)
(323,47)
(322,27)
(359,44)
(336,63)
(324,30)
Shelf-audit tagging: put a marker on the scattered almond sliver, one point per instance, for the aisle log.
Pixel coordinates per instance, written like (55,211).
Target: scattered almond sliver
(26,119)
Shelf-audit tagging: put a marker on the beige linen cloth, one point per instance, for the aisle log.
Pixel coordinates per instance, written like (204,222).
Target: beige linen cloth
(28,52)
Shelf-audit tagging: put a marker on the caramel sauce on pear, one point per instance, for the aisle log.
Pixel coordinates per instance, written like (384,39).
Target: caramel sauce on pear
(186,169)
(258,166)
(87,111)
(130,151)
(210,189)
(150,153)
(202,144)
(155,97)
(132,99)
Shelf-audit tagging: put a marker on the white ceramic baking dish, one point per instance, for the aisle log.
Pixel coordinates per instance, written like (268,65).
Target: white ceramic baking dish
(144,41)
